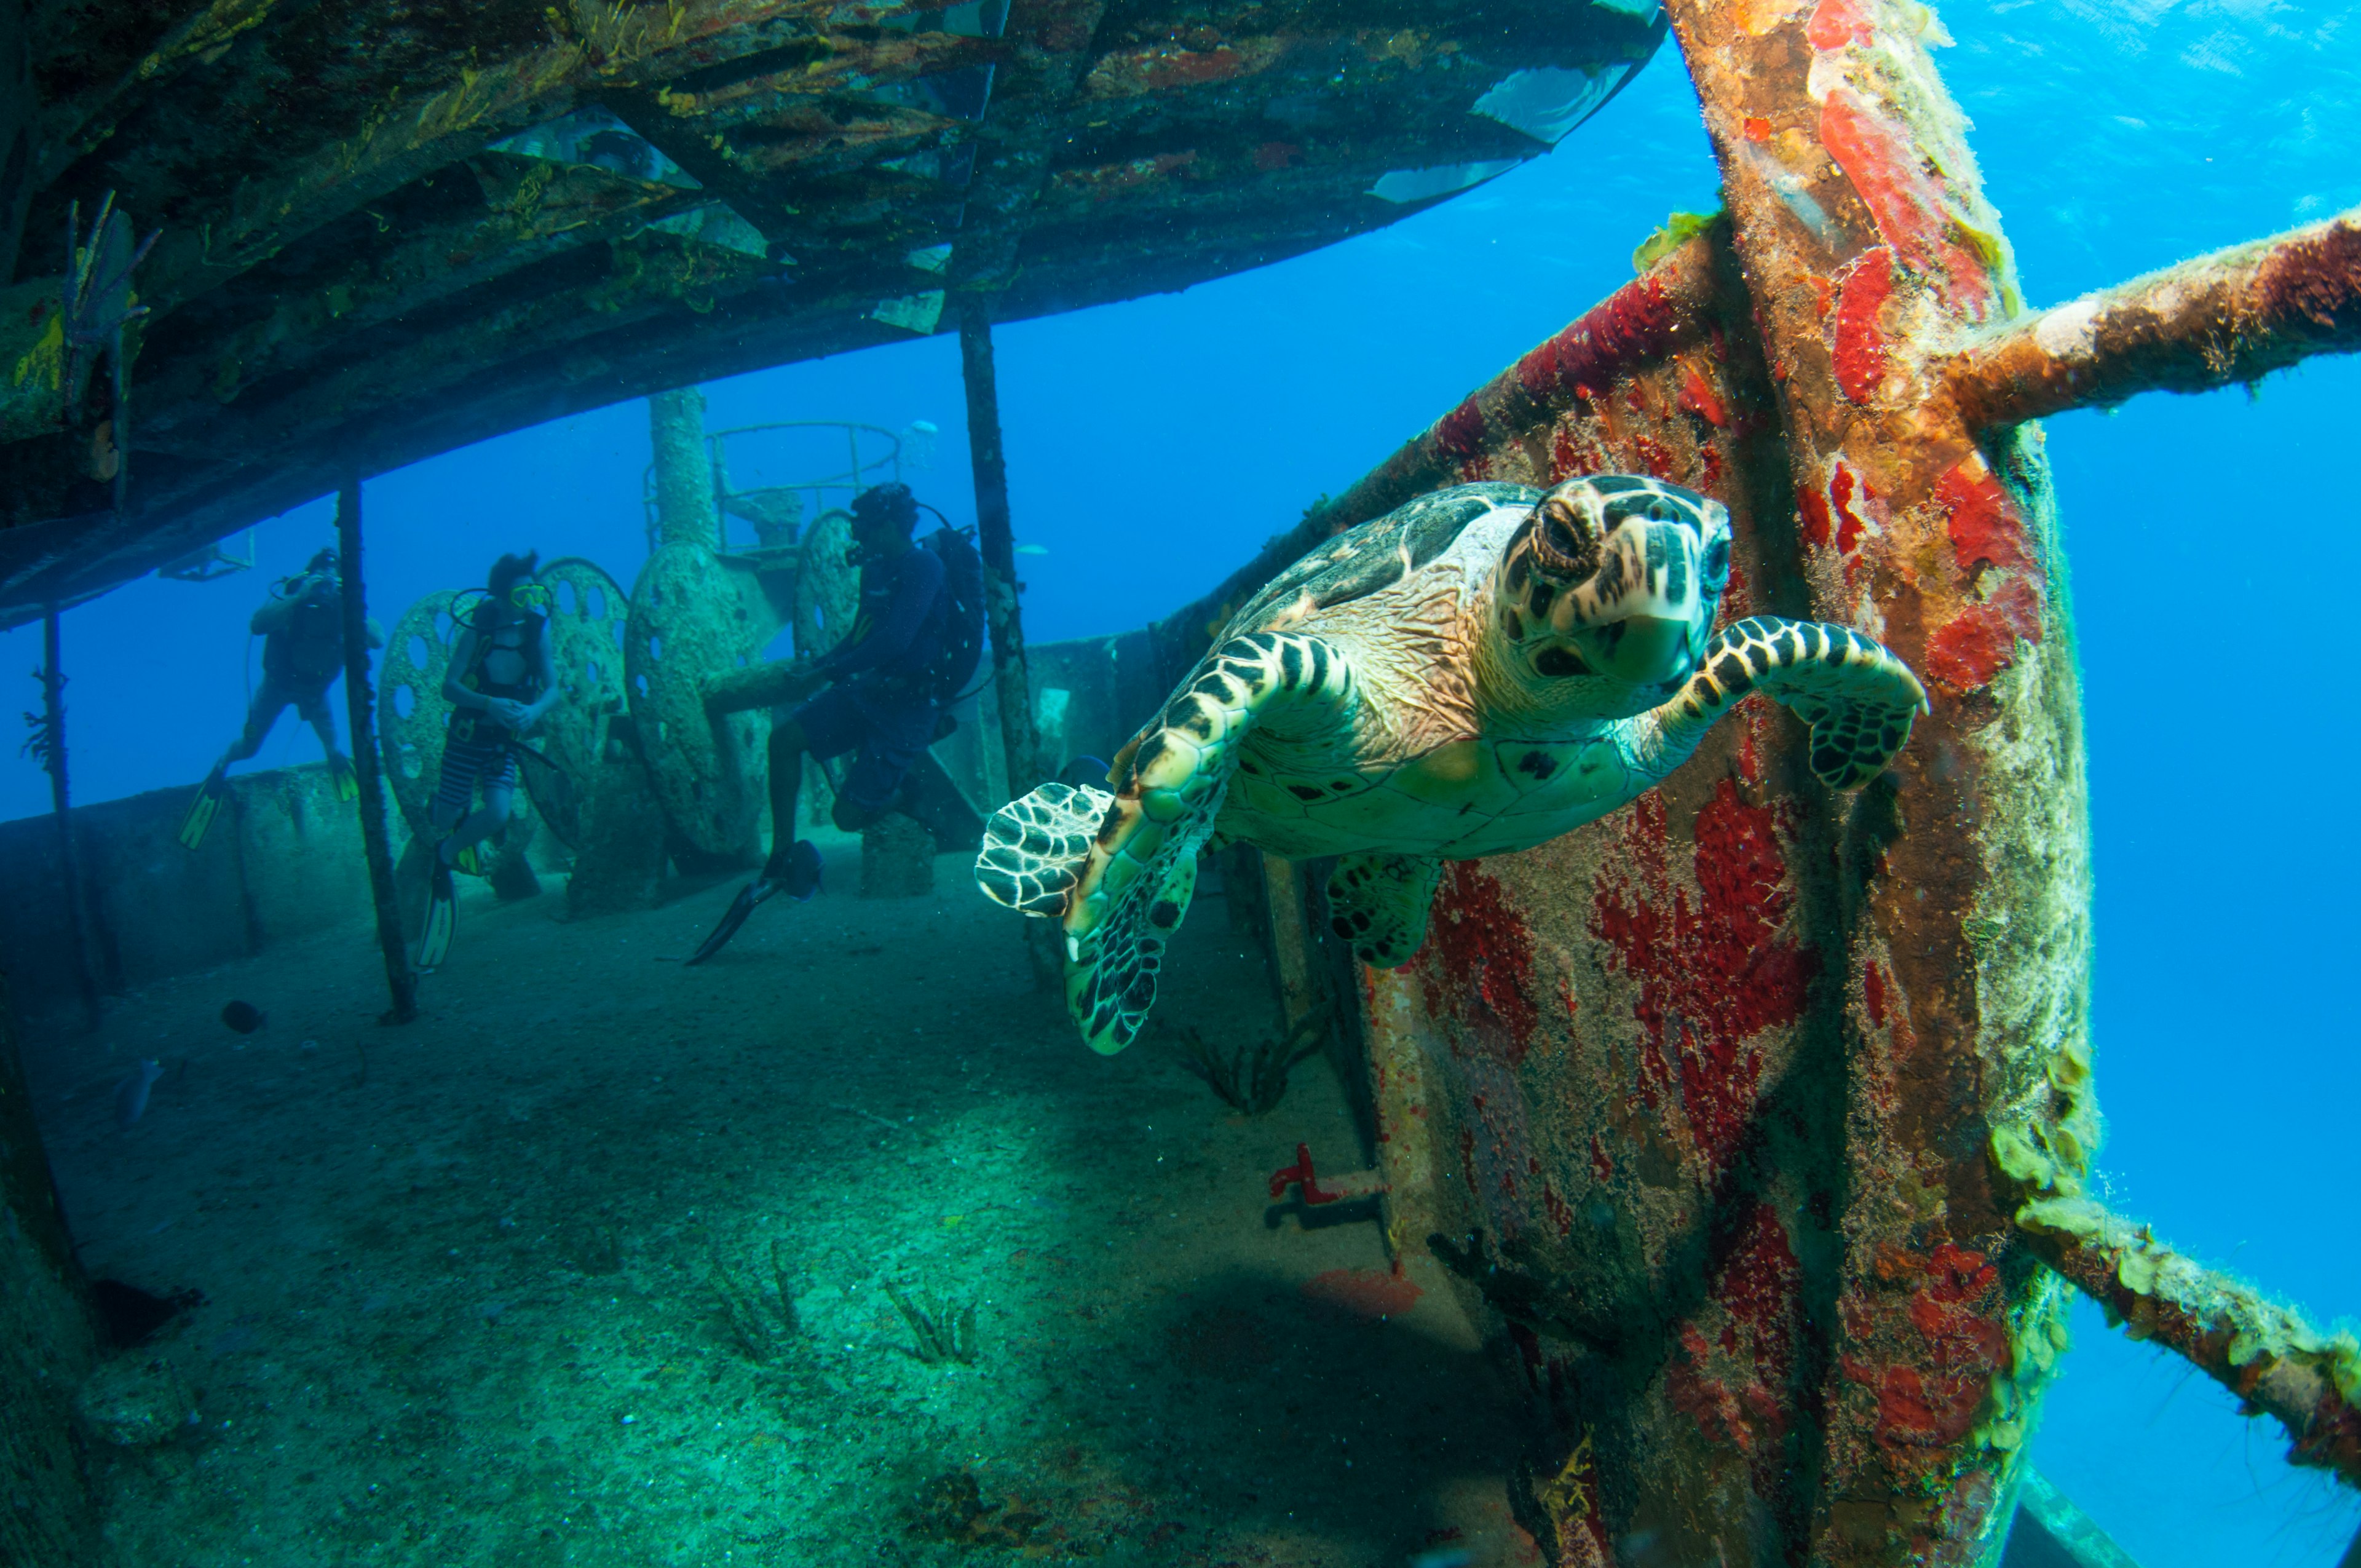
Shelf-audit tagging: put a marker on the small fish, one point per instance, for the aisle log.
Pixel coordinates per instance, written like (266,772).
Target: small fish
(1032,550)
(243,1016)
(131,1095)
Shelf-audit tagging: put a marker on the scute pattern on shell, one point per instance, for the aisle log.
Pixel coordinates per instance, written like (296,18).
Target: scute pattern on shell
(1379,552)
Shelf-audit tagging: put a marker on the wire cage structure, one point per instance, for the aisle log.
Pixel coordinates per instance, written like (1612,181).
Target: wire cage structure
(775,478)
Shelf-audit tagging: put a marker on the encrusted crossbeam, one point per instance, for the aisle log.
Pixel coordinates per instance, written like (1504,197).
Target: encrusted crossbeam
(2233,316)
(2264,1352)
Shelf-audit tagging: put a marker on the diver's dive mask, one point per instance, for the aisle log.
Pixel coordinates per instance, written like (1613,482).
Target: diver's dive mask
(534,598)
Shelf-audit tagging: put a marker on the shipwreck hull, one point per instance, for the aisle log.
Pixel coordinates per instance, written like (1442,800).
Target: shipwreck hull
(1755,1118)
(1693,1101)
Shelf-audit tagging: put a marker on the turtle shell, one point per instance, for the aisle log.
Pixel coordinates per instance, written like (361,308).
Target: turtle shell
(1379,552)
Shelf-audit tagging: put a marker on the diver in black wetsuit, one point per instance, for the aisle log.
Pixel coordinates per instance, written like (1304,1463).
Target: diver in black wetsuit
(882,701)
(302,625)
(501,679)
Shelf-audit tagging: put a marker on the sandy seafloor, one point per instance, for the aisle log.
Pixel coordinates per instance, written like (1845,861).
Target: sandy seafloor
(458,1275)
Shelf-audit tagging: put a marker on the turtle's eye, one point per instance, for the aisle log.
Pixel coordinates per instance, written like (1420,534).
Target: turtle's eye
(1565,545)
(1715,566)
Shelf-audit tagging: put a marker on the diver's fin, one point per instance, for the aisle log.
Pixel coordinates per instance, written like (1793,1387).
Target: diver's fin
(1377,904)
(347,783)
(200,814)
(793,871)
(471,859)
(442,919)
(753,893)
(1035,849)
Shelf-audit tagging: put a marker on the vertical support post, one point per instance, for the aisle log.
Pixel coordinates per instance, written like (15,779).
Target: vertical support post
(1011,685)
(361,705)
(997,544)
(685,511)
(53,761)
(1290,936)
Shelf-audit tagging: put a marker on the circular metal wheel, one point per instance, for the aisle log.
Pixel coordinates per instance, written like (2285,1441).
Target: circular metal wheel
(411,709)
(828,596)
(588,618)
(828,587)
(693,618)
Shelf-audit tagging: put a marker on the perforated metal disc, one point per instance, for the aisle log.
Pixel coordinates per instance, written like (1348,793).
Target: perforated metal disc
(411,710)
(588,618)
(694,618)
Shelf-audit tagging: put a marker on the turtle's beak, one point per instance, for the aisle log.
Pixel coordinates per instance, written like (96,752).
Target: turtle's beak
(1644,650)
(1642,616)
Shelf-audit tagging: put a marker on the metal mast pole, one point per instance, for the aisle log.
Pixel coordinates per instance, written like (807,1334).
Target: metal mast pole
(53,761)
(361,705)
(1019,748)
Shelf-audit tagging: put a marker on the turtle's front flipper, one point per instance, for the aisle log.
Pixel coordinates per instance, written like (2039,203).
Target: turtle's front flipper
(1857,696)
(1132,892)
(1377,904)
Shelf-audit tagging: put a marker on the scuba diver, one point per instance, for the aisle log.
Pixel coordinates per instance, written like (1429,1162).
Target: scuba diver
(501,680)
(910,646)
(302,625)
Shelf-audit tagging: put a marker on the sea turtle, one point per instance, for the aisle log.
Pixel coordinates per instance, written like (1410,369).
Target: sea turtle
(1477,671)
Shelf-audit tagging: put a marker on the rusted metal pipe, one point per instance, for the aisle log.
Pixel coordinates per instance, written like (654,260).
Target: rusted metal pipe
(2233,316)
(766,684)
(360,703)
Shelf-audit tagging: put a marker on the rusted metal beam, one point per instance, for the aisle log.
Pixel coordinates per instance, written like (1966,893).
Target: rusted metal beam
(2233,316)
(2266,1353)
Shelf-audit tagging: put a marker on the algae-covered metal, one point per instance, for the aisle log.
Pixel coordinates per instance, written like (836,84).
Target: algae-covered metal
(388,229)
(1756,1117)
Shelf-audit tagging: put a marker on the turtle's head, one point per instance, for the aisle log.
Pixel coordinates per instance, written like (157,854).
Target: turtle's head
(1606,592)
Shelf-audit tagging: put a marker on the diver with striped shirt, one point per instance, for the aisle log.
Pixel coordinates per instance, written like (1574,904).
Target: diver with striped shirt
(502,678)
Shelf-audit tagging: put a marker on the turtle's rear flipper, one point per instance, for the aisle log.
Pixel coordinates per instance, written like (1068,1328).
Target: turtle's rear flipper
(1377,904)
(199,816)
(1857,696)
(1035,849)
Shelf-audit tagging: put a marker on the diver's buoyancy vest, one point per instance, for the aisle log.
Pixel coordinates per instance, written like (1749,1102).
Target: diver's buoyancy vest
(525,688)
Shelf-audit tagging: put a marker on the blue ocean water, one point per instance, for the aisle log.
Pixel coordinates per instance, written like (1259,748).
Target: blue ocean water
(1155,445)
